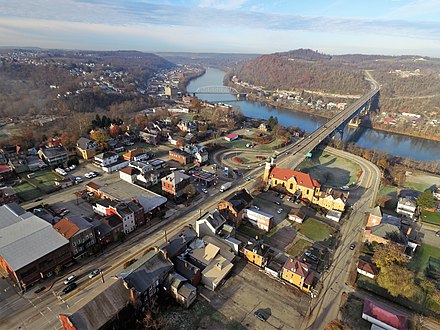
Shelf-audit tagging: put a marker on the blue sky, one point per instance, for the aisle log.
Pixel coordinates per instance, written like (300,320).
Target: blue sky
(240,26)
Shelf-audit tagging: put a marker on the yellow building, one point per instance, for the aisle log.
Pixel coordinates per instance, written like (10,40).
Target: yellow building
(291,181)
(257,253)
(299,274)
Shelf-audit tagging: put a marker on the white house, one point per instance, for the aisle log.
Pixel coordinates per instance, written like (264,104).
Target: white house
(407,207)
(106,158)
(231,137)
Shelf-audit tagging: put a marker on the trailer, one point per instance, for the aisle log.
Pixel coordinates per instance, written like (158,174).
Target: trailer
(225,186)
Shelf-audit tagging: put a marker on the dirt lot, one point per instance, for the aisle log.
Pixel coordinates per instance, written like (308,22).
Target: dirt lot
(249,290)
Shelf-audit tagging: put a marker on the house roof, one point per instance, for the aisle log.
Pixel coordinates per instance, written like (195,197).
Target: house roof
(113,220)
(367,267)
(133,153)
(93,185)
(147,270)
(150,201)
(258,248)
(186,290)
(240,199)
(96,309)
(83,142)
(217,270)
(215,219)
(300,213)
(51,152)
(385,314)
(66,228)
(7,191)
(302,179)
(27,240)
(376,212)
(231,136)
(175,177)
(179,241)
(205,254)
(186,268)
(297,266)
(10,214)
(180,153)
(130,170)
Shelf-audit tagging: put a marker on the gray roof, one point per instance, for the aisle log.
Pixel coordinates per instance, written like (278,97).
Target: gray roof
(28,240)
(151,201)
(51,152)
(79,221)
(214,218)
(83,142)
(150,268)
(10,214)
(176,177)
(97,309)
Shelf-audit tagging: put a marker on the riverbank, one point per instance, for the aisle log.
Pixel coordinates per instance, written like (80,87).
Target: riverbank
(254,98)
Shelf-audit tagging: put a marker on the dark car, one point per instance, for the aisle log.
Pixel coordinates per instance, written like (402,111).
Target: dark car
(70,288)
(437,233)
(352,246)
(260,316)
(40,289)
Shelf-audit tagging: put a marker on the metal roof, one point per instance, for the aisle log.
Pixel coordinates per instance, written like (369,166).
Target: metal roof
(28,240)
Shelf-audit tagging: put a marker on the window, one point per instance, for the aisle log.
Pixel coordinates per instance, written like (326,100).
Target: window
(291,186)
(275,182)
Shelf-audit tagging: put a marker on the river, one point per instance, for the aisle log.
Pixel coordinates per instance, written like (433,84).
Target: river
(394,144)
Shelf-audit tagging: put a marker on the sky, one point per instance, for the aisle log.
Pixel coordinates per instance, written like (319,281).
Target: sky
(392,27)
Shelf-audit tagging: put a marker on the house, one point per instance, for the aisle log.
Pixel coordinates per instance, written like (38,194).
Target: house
(215,272)
(300,274)
(388,229)
(331,199)
(407,207)
(232,207)
(374,218)
(209,224)
(179,288)
(114,227)
(54,155)
(275,265)
(201,157)
(107,207)
(34,163)
(367,269)
(436,193)
(146,276)
(256,252)
(30,249)
(16,162)
(231,137)
(180,243)
(298,215)
(259,218)
(334,215)
(176,141)
(180,156)
(191,272)
(264,127)
(383,317)
(7,195)
(106,159)
(136,155)
(79,232)
(173,185)
(141,173)
(150,138)
(86,147)
(99,308)
(187,126)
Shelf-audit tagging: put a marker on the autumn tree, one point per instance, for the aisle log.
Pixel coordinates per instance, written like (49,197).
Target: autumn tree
(100,136)
(397,280)
(389,254)
(189,190)
(141,121)
(114,130)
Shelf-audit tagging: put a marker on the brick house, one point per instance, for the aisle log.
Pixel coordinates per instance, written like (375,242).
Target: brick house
(180,156)
(173,185)
(232,207)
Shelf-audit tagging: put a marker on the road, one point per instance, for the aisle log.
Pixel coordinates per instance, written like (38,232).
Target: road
(325,307)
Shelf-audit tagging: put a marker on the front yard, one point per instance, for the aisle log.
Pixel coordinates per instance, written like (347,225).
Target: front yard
(420,260)
(431,217)
(298,247)
(315,230)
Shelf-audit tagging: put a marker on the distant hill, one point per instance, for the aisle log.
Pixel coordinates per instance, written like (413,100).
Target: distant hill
(303,69)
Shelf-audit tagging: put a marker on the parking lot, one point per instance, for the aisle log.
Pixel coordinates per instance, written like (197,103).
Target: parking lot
(250,290)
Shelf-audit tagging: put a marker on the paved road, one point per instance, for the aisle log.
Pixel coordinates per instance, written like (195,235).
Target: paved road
(325,307)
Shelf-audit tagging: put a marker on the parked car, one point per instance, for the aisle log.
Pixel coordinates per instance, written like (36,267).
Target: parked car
(344,187)
(94,273)
(70,288)
(40,289)
(205,190)
(279,210)
(72,167)
(70,279)
(260,316)
(437,233)
(88,175)
(276,202)
(256,207)
(78,179)
(352,246)
(64,213)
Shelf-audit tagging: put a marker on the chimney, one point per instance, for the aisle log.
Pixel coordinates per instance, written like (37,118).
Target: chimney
(408,231)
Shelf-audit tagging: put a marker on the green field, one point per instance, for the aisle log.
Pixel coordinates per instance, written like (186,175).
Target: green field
(330,170)
(431,217)
(45,180)
(420,260)
(297,248)
(315,230)
(27,192)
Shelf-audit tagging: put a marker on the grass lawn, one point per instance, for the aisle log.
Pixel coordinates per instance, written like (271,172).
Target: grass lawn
(27,192)
(330,170)
(431,217)
(420,260)
(297,248)
(45,180)
(315,230)
(239,143)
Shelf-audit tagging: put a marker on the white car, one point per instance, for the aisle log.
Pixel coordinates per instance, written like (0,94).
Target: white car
(256,207)
(70,279)
(279,210)
(205,190)
(72,167)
